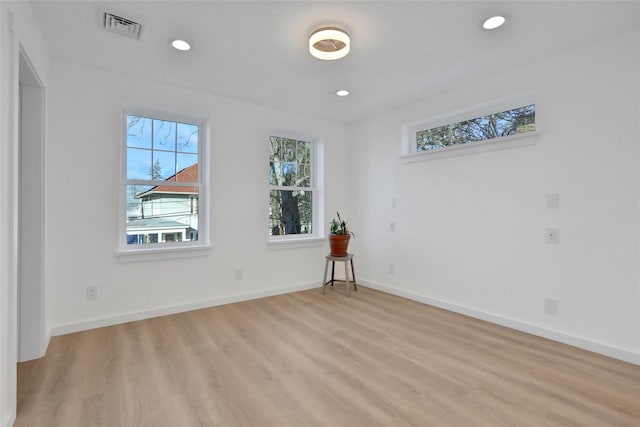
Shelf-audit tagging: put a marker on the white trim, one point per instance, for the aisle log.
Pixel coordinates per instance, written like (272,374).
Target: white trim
(124,251)
(572,340)
(290,188)
(316,188)
(162,251)
(9,419)
(72,327)
(163,114)
(31,346)
(152,183)
(503,143)
(9,161)
(295,242)
(292,134)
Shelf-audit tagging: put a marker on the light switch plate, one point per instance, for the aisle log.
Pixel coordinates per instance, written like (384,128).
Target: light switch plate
(553,200)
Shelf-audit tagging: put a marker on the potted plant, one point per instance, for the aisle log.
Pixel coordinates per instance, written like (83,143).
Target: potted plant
(339,236)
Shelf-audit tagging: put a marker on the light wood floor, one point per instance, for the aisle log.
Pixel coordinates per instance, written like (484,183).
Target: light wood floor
(307,359)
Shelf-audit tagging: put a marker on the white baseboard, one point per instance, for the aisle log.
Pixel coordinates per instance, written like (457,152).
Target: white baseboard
(69,328)
(585,344)
(47,340)
(9,419)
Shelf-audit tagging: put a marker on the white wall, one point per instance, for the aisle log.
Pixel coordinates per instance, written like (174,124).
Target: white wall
(470,229)
(17,31)
(84,137)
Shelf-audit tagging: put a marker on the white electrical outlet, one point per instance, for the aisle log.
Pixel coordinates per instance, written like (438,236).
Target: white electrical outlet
(551,235)
(551,306)
(392,203)
(392,268)
(91,293)
(392,225)
(553,200)
(238,273)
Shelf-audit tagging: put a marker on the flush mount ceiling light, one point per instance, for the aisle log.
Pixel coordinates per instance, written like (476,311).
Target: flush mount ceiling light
(181,45)
(342,92)
(493,22)
(329,43)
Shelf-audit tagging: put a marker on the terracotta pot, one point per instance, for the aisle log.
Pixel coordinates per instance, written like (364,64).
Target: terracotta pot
(339,243)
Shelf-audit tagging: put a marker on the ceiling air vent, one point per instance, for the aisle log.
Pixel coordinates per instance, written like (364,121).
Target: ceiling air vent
(123,26)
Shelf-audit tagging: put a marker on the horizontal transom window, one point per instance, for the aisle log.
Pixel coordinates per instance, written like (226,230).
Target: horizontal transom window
(497,125)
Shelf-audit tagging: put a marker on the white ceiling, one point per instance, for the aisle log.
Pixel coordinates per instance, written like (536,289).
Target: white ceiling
(257,50)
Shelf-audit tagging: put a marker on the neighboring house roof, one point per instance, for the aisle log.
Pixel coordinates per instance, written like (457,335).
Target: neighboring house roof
(188,174)
(153,223)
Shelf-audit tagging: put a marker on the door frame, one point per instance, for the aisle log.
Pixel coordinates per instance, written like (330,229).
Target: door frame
(30,221)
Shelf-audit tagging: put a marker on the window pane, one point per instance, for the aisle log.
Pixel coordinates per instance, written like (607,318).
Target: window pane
(138,132)
(304,176)
(187,138)
(289,174)
(164,135)
(276,148)
(289,163)
(138,163)
(290,212)
(134,204)
(289,150)
(275,172)
(304,152)
(157,214)
(187,167)
(164,166)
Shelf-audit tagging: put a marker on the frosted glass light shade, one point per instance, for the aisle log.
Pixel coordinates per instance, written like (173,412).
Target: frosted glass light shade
(329,44)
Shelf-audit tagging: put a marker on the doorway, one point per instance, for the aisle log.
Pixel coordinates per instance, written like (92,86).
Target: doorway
(31,324)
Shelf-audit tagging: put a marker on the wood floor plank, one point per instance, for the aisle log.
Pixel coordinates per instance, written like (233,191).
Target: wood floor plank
(308,359)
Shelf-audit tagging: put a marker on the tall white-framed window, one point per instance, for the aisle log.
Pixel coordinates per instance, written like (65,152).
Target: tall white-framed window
(295,198)
(164,192)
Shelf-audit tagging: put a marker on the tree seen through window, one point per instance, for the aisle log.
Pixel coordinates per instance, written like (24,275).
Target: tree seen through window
(290,189)
(505,123)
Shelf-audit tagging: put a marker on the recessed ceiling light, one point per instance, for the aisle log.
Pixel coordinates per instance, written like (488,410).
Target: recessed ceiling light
(181,45)
(493,22)
(329,44)
(342,92)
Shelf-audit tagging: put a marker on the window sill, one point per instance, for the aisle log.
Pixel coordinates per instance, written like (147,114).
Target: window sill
(153,254)
(304,242)
(503,143)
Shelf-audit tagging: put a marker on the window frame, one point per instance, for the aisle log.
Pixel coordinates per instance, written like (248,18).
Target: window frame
(161,250)
(408,145)
(316,237)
